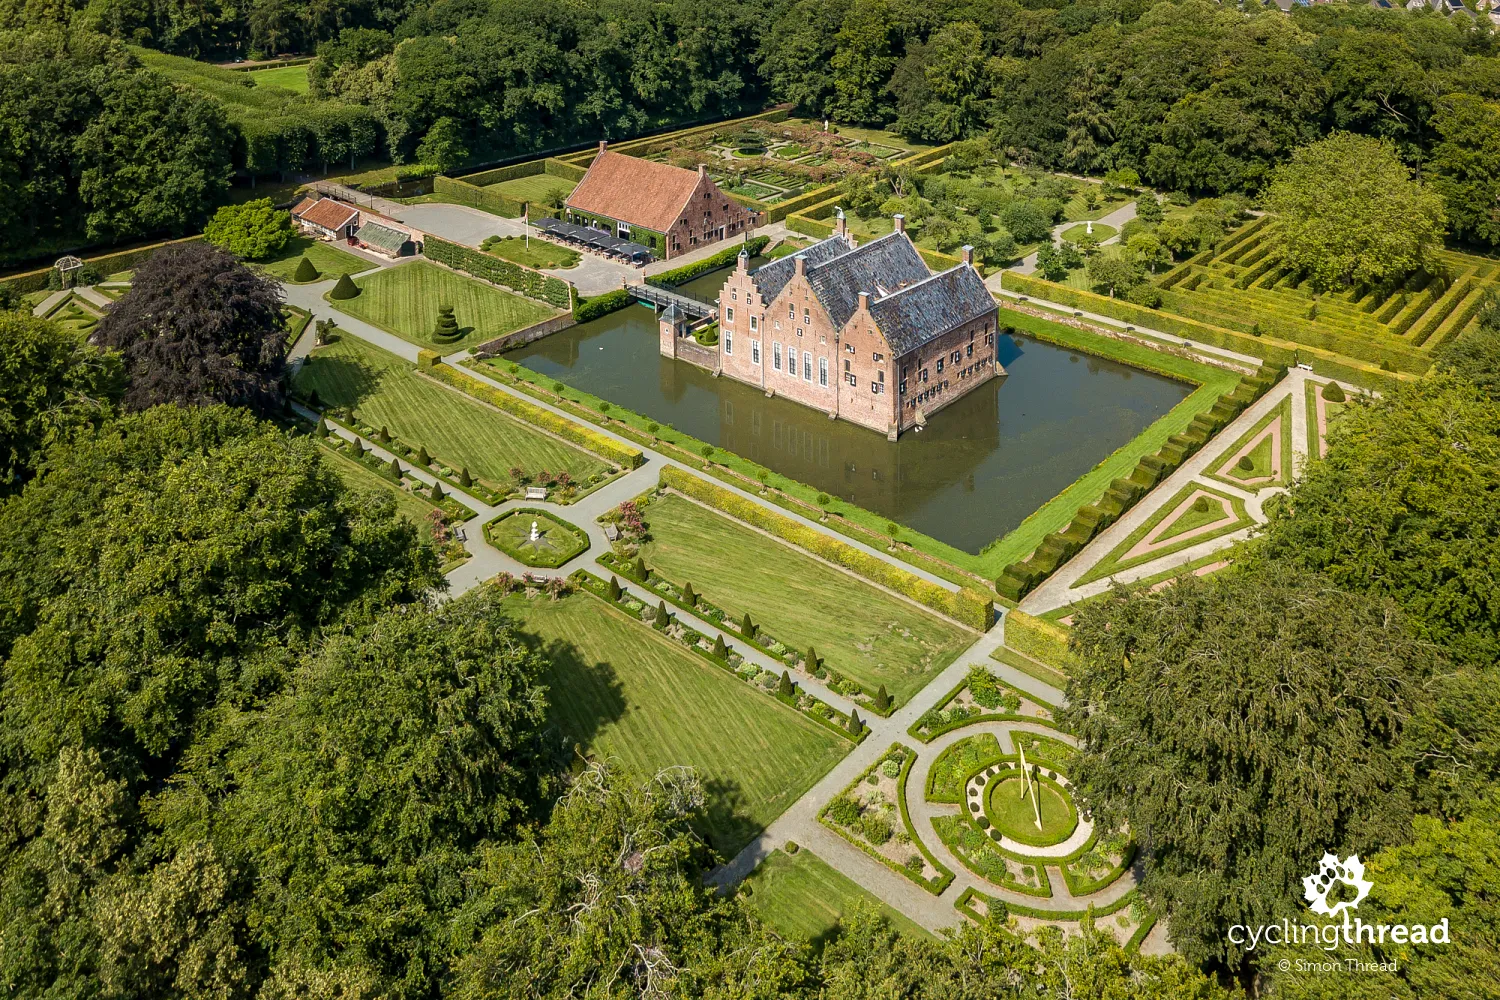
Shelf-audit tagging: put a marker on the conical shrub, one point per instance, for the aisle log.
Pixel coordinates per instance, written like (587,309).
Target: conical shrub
(437,491)
(1333,392)
(446,331)
(344,288)
(306,271)
(464,479)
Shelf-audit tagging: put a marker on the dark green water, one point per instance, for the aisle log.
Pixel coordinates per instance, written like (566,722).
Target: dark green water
(978,469)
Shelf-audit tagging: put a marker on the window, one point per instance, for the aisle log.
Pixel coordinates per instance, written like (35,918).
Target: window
(776,354)
(877,356)
(729,317)
(791,361)
(791,311)
(850,349)
(922,375)
(823,372)
(877,387)
(902,387)
(752,323)
(957,357)
(940,366)
(755,352)
(806,366)
(880,376)
(989,338)
(734,294)
(849,377)
(728,342)
(846,364)
(799,331)
(806,316)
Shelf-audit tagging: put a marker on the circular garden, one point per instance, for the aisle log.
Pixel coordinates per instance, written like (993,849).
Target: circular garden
(555,542)
(1013,803)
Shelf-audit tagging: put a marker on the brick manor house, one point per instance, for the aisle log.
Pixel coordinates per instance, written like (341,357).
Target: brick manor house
(666,208)
(866,333)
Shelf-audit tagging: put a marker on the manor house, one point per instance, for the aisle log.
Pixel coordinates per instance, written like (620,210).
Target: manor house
(866,333)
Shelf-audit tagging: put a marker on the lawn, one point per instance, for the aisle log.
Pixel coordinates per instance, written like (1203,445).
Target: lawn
(457,430)
(358,477)
(860,631)
(404,301)
(327,258)
(556,542)
(1189,519)
(1008,806)
(534,188)
(1100,234)
(805,898)
(619,690)
(539,254)
(290,77)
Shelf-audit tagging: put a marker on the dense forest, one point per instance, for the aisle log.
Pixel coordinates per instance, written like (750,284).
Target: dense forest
(96,143)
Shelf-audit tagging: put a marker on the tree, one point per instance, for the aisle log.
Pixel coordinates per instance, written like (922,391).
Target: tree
(446,331)
(437,491)
(153,158)
(786,688)
(747,627)
(660,621)
(721,648)
(1465,166)
(443,146)
(689,597)
(1049,261)
(1111,275)
(344,288)
(1475,357)
(1337,675)
(1148,209)
(51,384)
(423,459)
(253,230)
(1349,213)
(810,660)
(306,272)
(882,700)
(198,327)
(395,468)
(1403,507)
(641,573)
(1144,250)
(464,479)
(614,590)
(856,726)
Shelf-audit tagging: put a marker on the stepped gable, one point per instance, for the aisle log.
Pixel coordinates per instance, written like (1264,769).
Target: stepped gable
(918,313)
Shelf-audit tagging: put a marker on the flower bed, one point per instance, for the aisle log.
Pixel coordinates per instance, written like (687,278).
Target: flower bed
(556,543)
(981,697)
(764,681)
(866,812)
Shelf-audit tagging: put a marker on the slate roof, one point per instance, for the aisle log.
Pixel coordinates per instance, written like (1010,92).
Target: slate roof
(635,191)
(879,267)
(772,278)
(910,304)
(326,212)
(921,312)
(384,237)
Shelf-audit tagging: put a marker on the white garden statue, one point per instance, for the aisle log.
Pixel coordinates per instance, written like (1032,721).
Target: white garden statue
(534,533)
(1090,228)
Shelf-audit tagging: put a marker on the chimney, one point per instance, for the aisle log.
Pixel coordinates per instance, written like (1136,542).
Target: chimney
(603,145)
(840,227)
(703,170)
(799,264)
(864,301)
(900,221)
(968,255)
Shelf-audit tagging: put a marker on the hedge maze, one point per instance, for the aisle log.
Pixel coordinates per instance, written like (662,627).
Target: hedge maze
(1238,286)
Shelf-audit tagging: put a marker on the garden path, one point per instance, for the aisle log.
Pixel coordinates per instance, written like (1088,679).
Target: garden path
(1062,588)
(1116,219)
(923,812)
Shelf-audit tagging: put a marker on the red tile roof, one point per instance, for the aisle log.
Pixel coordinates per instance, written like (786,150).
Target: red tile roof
(327,213)
(634,191)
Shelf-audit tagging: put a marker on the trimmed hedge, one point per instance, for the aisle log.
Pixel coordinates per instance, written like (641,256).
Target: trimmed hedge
(1038,638)
(944,877)
(487,177)
(428,359)
(567,171)
(465,193)
(591,440)
(601,305)
(1272,349)
(110,263)
(967,606)
(533,284)
(724,258)
(1022,576)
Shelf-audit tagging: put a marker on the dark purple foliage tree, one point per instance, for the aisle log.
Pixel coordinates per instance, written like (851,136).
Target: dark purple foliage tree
(197,328)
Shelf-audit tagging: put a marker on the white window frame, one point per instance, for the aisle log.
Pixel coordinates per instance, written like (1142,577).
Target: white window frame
(776,355)
(791,361)
(807,366)
(755,352)
(729,314)
(823,372)
(753,325)
(728,341)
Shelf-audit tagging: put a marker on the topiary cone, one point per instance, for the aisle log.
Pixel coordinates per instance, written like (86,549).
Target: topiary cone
(344,288)
(306,271)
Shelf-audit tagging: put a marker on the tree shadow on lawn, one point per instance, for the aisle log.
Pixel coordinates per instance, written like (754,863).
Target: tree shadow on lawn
(341,381)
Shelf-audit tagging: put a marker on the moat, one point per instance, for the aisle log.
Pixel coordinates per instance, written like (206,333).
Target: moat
(974,473)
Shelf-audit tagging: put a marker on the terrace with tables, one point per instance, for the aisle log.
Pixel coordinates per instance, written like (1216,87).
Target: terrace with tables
(594,241)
